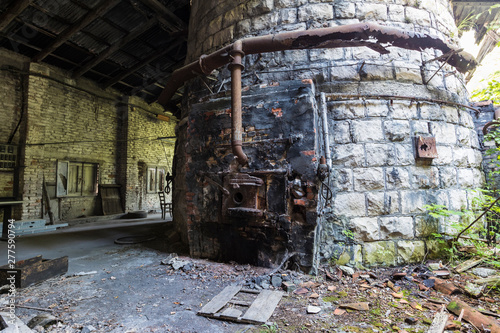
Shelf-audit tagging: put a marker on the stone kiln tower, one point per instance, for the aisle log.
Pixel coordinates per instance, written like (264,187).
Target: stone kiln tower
(345,133)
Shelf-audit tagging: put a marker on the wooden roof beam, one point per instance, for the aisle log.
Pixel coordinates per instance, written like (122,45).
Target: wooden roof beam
(164,11)
(103,7)
(115,47)
(11,13)
(141,64)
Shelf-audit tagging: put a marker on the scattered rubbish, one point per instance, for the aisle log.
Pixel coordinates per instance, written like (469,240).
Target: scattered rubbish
(444,274)
(10,323)
(347,270)
(439,322)
(311,309)
(85,273)
(447,288)
(338,312)
(360,306)
(88,329)
(42,320)
(484,272)
(474,290)
(434,266)
(489,280)
(473,316)
(398,275)
(466,265)
(33,270)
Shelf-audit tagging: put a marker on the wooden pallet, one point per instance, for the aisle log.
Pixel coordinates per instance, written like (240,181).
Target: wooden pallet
(242,305)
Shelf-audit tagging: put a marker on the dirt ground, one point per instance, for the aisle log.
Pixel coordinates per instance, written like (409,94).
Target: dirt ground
(132,291)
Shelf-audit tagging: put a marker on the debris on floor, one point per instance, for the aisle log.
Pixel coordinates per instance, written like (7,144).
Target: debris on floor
(150,291)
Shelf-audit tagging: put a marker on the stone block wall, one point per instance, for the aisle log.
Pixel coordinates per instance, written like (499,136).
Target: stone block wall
(485,115)
(376,107)
(218,23)
(381,188)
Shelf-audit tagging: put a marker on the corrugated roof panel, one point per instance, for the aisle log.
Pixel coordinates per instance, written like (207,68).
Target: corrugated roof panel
(123,59)
(42,20)
(84,40)
(125,16)
(65,9)
(105,31)
(138,49)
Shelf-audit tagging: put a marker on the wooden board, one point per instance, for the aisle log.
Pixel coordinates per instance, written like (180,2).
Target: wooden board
(220,300)
(263,307)
(33,270)
(231,304)
(110,199)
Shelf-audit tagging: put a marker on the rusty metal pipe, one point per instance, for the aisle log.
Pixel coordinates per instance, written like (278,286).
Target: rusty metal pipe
(236,67)
(372,35)
(353,35)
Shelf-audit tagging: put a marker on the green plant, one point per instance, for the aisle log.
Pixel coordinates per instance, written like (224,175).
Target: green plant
(348,233)
(464,228)
(269,328)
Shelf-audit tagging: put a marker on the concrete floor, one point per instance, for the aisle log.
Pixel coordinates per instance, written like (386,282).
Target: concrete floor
(82,240)
(131,291)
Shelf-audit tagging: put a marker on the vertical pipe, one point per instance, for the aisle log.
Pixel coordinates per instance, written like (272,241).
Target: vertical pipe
(326,135)
(236,124)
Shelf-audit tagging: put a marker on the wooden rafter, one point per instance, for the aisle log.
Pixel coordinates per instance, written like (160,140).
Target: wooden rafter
(141,64)
(115,47)
(11,13)
(71,30)
(164,11)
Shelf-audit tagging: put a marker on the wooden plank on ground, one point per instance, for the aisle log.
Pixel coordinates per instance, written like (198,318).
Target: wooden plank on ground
(263,307)
(219,300)
(468,264)
(439,322)
(231,314)
(474,317)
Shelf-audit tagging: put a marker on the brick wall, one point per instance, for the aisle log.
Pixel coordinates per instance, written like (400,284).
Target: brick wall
(11,69)
(67,121)
(76,121)
(146,150)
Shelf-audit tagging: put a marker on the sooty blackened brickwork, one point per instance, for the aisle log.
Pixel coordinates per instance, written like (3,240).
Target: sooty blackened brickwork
(268,208)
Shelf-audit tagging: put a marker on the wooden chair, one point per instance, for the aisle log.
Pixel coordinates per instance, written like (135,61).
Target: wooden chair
(165,206)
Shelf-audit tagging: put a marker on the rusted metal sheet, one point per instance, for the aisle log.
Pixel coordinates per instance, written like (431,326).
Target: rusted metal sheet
(243,195)
(426,147)
(33,270)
